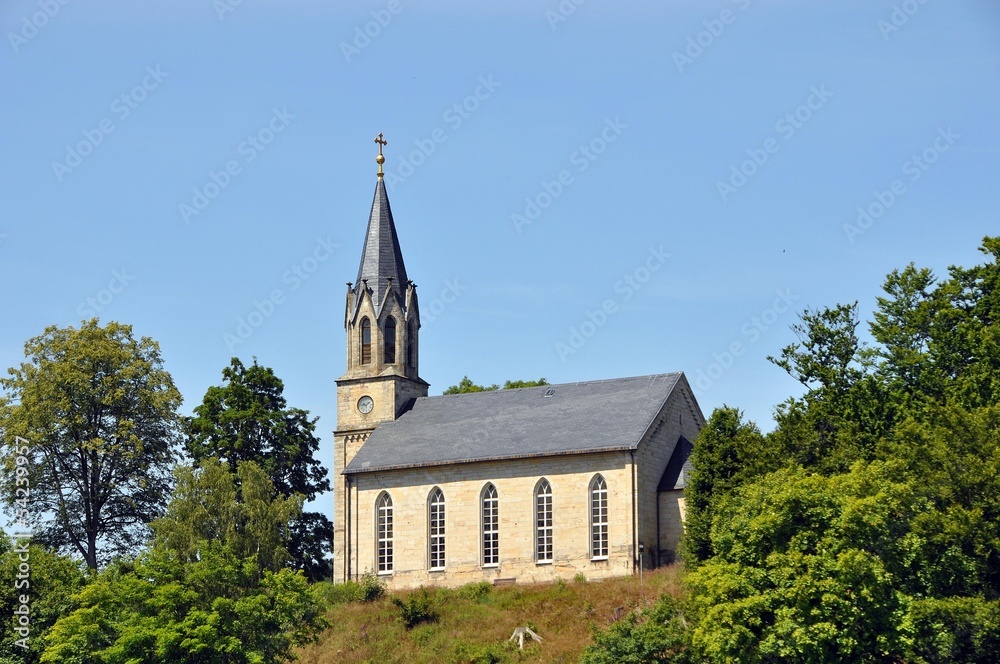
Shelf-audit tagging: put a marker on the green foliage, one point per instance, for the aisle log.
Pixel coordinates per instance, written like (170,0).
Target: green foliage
(805,568)
(209,507)
(213,589)
(878,537)
(465,386)
(658,634)
(727,453)
(98,412)
(963,629)
(368,589)
(492,653)
(219,609)
(476,591)
(49,584)
(248,419)
(415,609)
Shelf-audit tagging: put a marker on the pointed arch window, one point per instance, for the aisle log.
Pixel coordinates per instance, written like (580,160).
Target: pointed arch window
(598,518)
(543,522)
(411,359)
(436,521)
(491,526)
(383,533)
(390,340)
(366,341)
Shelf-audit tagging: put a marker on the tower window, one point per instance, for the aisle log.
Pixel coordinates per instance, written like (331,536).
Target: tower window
(436,518)
(390,340)
(543,522)
(598,518)
(366,341)
(491,526)
(411,360)
(383,533)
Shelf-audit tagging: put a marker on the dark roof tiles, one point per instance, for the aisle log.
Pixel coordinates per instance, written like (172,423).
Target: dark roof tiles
(551,420)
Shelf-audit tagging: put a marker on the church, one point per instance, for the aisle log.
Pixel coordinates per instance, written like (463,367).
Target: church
(509,486)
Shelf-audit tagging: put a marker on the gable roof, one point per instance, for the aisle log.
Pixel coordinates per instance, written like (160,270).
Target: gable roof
(675,475)
(552,420)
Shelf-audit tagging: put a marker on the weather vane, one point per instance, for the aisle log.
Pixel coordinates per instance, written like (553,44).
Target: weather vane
(380,159)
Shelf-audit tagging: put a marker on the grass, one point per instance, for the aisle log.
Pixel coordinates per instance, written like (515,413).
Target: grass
(472,624)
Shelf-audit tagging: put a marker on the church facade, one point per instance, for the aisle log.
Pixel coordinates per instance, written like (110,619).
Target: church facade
(518,485)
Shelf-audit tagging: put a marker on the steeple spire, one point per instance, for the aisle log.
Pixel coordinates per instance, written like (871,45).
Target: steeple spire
(381,267)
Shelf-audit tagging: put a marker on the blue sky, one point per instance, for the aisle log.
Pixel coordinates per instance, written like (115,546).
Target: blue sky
(582,190)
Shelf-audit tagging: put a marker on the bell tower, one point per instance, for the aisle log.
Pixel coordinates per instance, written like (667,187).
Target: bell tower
(382,322)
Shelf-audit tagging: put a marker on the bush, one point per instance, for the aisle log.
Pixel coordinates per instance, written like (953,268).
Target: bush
(416,609)
(659,634)
(493,653)
(368,589)
(476,591)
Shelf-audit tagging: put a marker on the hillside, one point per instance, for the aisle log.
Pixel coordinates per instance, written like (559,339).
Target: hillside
(473,623)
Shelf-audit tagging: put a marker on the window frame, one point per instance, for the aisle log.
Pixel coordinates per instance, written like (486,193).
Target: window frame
(544,523)
(384,526)
(436,531)
(389,341)
(366,341)
(599,518)
(489,528)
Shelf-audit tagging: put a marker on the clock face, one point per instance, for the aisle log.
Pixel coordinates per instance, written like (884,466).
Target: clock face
(365,404)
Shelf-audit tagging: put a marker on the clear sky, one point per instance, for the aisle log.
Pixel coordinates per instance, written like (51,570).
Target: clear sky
(582,190)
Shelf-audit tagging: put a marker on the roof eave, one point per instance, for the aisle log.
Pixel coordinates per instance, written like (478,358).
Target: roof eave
(504,457)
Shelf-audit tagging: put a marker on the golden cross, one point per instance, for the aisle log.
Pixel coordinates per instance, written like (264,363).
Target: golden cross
(380,159)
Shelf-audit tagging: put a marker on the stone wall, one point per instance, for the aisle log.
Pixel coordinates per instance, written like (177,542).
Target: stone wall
(515,481)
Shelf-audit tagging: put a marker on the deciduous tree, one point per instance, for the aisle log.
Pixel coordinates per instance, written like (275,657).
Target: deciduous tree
(94,414)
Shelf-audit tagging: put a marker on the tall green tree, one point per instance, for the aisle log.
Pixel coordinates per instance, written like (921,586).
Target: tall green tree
(248,419)
(728,453)
(94,414)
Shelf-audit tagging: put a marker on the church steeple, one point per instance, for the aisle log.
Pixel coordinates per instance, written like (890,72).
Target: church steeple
(381,268)
(382,318)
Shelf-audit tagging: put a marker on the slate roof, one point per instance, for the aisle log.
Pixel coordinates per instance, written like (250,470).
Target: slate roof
(675,475)
(574,418)
(381,258)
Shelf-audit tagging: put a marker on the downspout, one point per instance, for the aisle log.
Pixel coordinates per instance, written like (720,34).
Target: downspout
(347,528)
(635,523)
(656,561)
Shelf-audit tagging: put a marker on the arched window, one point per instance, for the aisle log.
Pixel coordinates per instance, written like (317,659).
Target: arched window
(383,533)
(491,526)
(598,518)
(411,359)
(543,522)
(390,340)
(366,341)
(436,520)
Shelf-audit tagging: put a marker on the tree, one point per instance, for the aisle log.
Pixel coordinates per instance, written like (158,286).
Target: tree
(93,413)
(803,570)
(248,419)
(466,386)
(241,511)
(48,581)
(728,453)
(212,590)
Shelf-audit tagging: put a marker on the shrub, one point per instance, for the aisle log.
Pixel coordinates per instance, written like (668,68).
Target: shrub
(475,591)
(415,609)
